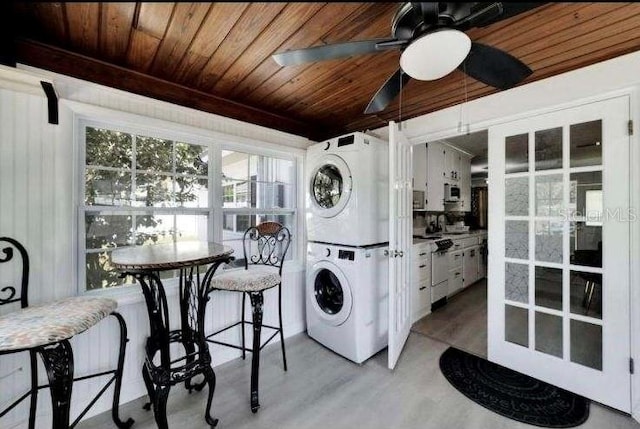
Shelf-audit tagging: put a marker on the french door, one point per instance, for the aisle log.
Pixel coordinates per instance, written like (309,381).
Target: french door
(559,228)
(400,241)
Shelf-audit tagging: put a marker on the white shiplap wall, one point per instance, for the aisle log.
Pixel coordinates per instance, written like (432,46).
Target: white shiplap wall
(37,208)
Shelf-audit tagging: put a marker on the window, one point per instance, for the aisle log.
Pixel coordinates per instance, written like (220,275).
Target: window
(147,186)
(256,188)
(139,190)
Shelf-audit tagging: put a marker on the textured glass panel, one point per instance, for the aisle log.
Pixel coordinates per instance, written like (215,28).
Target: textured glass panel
(517,239)
(586,344)
(586,144)
(516,283)
(585,196)
(549,241)
(192,159)
(549,287)
(107,231)
(154,154)
(548,149)
(107,188)
(549,334)
(549,195)
(516,197)
(585,243)
(517,153)
(516,325)
(108,148)
(586,294)
(154,190)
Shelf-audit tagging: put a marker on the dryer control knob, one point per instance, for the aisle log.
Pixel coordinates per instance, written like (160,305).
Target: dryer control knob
(328,252)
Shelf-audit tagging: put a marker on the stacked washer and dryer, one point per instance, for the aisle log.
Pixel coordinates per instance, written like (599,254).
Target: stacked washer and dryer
(347,217)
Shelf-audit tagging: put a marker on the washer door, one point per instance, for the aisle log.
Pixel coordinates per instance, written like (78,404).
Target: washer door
(330,293)
(330,186)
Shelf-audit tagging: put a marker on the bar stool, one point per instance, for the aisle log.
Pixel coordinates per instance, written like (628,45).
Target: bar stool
(45,331)
(265,247)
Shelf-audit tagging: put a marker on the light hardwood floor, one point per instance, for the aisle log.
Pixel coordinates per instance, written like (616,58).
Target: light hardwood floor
(462,322)
(323,390)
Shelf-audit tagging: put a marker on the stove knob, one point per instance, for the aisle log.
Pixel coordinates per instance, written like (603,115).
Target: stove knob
(328,252)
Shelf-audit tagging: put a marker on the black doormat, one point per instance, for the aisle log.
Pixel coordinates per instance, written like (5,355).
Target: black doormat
(512,394)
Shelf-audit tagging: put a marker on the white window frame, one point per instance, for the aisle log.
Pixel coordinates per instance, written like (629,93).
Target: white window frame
(86,115)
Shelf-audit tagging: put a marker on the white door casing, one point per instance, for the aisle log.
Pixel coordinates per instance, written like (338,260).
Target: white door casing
(400,241)
(559,337)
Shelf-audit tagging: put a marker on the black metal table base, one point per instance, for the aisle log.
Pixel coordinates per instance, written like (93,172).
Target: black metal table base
(58,362)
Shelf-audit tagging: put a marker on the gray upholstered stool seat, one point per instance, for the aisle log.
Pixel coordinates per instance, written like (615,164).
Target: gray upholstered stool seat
(254,279)
(49,323)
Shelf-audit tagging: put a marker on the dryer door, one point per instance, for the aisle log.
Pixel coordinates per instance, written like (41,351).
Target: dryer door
(330,186)
(330,293)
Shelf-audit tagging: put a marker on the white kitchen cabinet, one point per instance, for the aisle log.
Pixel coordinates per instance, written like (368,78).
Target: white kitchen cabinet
(465,182)
(455,280)
(421,280)
(420,168)
(435,177)
(452,159)
(470,265)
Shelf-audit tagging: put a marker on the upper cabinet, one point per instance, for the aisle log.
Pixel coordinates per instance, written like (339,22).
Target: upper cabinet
(436,164)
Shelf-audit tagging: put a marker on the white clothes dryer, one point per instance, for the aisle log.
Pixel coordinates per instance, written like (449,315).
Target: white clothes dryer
(347,191)
(347,298)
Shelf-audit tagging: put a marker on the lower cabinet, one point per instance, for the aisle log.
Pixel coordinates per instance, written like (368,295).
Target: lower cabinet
(470,265)
(455,280)
(421,280)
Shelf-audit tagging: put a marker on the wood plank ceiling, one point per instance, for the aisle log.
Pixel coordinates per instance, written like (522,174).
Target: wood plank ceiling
(216,57)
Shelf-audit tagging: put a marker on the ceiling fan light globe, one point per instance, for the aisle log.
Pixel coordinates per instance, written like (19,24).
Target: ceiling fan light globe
(435,55)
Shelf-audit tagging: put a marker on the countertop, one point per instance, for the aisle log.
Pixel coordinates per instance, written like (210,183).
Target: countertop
(472,233)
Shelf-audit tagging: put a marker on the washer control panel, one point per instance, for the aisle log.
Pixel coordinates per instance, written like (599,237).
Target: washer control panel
(349,255)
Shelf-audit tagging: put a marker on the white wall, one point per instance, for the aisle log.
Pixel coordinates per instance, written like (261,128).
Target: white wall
(618,75)
(37,190)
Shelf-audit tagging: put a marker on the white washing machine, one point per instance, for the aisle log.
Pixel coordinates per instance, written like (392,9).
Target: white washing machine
(347,298)
(347,191)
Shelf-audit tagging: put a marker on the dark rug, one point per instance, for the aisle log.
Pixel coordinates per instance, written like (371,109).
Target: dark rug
(512,394)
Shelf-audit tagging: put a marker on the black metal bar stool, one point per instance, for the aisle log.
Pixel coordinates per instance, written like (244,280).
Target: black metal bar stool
(45,331)
(265,247)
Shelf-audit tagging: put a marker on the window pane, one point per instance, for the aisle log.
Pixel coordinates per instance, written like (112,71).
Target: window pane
(549,334)
(516,325)
(154,154)
(586,344)
(154,229)
(103,230)
(192,159)
(517,239)
(549,199)
(549,241)
(517,153)
(585,244)
(108,148)
(516,283)
(235,165)
(101,274)
(517,196)
(154,190)
(549,287)
(586,294)
(192,191)
(586,143)
(548,149)
(107,188)
(192,228)
(585,198)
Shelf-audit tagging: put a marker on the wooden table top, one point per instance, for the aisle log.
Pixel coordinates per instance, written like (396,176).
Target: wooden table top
(170,256)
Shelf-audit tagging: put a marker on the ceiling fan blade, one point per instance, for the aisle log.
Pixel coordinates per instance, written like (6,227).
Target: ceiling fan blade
(387,92)
(485,14)
(494,67)
(329,52)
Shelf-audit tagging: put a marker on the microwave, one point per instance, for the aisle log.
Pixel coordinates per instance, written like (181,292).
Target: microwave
(418,200)
(451,193)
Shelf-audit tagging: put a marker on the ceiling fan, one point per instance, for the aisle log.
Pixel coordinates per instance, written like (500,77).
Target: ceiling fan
(433,44)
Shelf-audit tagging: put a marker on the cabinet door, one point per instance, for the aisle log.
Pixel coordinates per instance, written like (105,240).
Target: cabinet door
(465,183)
(449,164)
(420,167)
(435,177)
(470,265)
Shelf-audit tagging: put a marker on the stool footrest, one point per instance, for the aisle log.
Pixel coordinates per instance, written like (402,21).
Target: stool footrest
(246,349)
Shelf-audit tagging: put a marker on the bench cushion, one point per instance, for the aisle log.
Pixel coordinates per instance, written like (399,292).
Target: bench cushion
(44,324)
(254,279)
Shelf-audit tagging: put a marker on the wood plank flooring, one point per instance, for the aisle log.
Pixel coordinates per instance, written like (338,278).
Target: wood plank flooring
(323,390)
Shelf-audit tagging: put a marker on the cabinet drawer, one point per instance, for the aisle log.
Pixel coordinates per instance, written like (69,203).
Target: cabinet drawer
(422,270)
(455,280)
(421,251)
(439,291)
(455,259)
(465,242)
(424,295)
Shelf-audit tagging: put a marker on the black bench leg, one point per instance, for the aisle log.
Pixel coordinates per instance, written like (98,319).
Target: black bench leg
(115,407)
(58,361)
(257,299)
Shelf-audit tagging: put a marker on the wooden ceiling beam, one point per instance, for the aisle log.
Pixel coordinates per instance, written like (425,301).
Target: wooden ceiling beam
(82,67)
